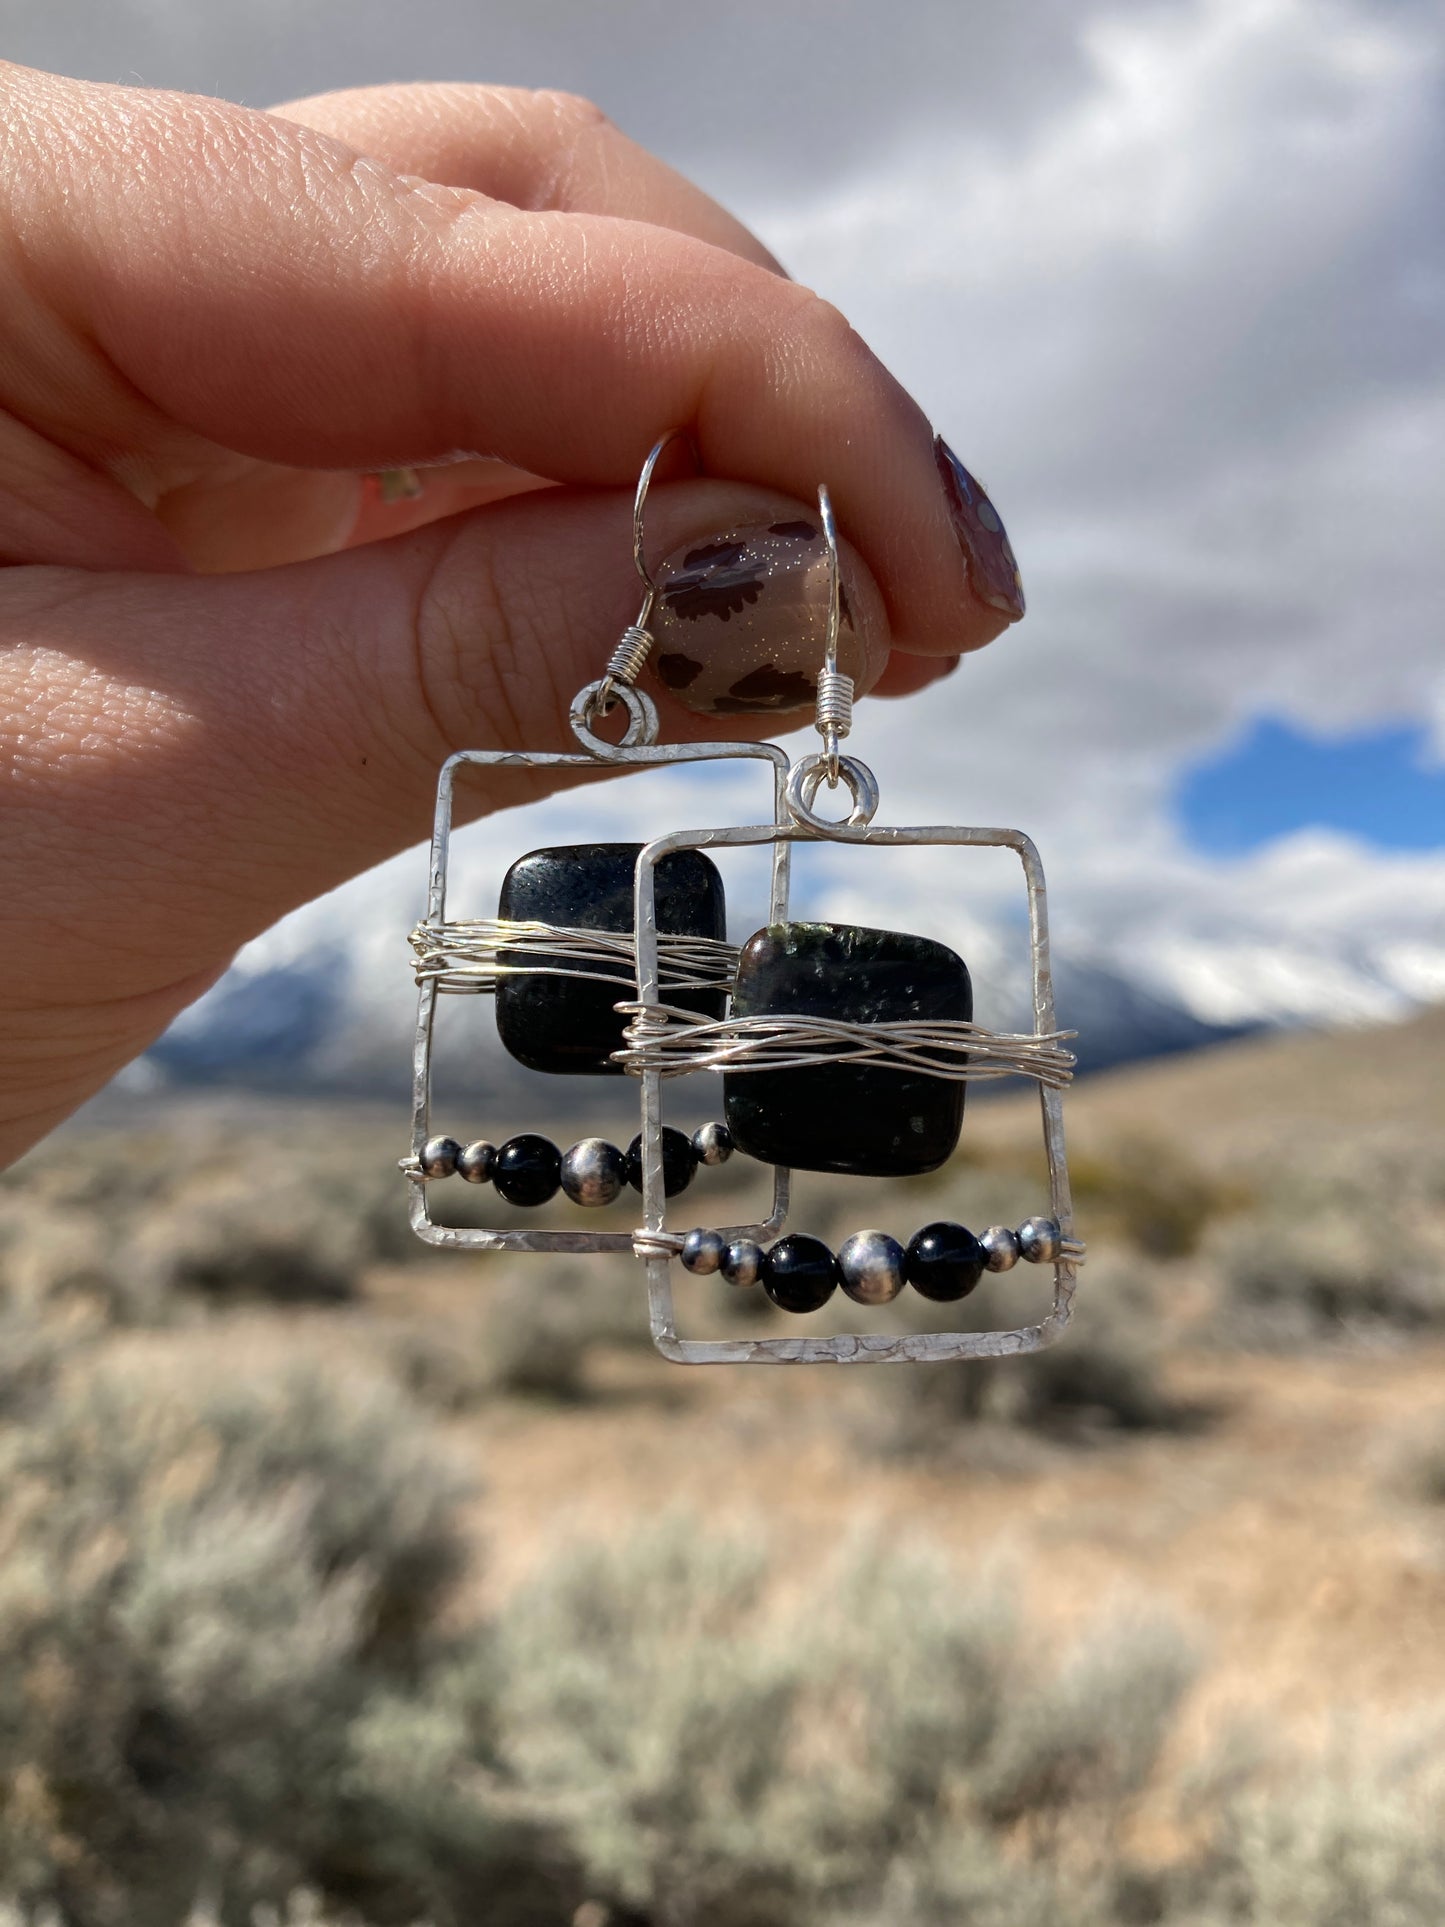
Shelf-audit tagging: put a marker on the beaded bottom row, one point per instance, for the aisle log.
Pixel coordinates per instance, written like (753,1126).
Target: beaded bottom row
(530,1170)
(942,1262)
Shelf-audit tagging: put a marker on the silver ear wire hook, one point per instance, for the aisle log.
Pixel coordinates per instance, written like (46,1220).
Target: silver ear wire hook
(835,690)
(635,643)
(639,506)
(835,599)
(833,721)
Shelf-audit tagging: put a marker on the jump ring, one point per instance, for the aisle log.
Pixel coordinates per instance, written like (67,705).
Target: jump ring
(803,782)
(642,723)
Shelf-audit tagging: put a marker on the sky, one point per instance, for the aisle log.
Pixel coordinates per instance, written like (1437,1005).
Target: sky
(1171,277)
(1382,784)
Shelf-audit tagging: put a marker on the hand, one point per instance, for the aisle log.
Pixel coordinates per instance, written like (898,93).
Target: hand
(220,692)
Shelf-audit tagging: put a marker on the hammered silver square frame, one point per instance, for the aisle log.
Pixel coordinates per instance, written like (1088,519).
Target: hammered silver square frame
(475,1238)
(847,1348)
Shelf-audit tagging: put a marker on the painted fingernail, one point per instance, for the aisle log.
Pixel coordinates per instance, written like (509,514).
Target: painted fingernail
(742,619)
(992,566)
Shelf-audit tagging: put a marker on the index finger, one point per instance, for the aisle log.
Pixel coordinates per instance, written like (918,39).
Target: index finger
(533,149)
(276,292)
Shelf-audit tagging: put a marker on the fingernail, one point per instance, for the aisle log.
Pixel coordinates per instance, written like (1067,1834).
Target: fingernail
(992,566)
(741,621)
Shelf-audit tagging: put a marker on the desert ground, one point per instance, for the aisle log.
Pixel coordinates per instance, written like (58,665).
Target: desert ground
(1240,1439)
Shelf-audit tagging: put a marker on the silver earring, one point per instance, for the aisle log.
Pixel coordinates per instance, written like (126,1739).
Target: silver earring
(559,961)
(841,1049)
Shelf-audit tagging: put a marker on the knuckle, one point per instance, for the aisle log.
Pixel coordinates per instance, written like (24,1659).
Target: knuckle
(823,322)
(817,338)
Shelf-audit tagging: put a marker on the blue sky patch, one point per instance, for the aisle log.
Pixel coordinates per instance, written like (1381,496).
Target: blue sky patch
(1378,785)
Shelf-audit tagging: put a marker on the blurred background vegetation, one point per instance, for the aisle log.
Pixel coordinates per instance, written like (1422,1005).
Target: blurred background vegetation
(349,1581)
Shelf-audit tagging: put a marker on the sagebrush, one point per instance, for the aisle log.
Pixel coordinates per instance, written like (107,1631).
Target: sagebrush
(223,1667)
(239,1688)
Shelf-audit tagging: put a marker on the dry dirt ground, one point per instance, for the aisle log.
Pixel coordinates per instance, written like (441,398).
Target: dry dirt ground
(1277,1530)
(1270,1533)
(1295,1094)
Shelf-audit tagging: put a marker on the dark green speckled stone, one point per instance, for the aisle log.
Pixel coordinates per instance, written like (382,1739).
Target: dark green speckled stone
(854,1118)
(571,1027)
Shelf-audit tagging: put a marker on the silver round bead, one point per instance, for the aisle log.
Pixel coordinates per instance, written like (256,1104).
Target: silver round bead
(742,1262)
(475,1162)
(593,1171)
(439,1157)
(872,1266)
(1040,1240)
(702,1252)
(712,1143)
(1001,1248)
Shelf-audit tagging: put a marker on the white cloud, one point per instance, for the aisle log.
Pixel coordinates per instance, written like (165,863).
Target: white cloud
(1190,329)
(1172,277)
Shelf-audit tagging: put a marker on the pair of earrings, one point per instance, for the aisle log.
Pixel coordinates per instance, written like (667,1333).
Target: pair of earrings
(842,1049)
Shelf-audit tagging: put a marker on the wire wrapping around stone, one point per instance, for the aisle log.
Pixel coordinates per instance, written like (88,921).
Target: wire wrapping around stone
(674,1043)
(473,954)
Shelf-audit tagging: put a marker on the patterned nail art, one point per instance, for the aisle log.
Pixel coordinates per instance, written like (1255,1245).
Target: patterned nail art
(992,565)
(741,619)
(717,579)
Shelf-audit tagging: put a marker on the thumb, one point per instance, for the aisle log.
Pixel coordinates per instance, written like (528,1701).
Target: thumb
(198,755)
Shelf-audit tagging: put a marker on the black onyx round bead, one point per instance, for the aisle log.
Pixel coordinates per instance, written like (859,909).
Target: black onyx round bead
(679,1162)
(800,1273)
(527,1169)
(944,1262)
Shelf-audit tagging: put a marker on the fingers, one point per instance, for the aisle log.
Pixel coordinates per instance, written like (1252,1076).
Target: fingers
(533,150)
(190,757)
(278,294)
(197,755)
(906,675)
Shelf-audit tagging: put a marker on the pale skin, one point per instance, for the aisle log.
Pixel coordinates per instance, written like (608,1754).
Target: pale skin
(228,670)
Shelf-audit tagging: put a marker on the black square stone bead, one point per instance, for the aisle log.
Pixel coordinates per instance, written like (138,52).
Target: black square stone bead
(860,1119)
(569,1025)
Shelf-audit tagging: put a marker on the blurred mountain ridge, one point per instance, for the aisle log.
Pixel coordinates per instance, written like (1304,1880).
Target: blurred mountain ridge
(339,1020)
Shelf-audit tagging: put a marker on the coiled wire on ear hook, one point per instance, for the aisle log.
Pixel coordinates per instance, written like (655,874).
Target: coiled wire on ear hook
(634,645)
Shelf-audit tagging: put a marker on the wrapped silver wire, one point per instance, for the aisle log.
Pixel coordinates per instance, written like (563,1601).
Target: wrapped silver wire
(675,1042)
(473,953)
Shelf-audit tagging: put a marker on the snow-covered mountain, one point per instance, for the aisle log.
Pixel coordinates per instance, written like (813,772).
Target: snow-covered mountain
(310,1026)
(1165,954)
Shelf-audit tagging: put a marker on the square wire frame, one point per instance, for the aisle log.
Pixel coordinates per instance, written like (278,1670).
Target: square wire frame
(850,1348)
(475,1238)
